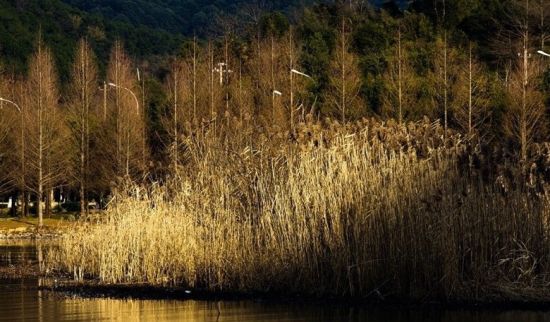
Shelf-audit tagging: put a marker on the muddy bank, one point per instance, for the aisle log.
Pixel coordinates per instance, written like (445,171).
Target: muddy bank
(19,271)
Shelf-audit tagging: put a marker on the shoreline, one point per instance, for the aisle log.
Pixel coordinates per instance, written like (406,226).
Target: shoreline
(90,290)
(33,235)
(62,286)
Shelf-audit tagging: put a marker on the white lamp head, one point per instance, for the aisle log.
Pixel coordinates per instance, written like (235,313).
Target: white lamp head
(299,73)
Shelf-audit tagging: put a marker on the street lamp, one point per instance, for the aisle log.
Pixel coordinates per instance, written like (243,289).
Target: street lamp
(292,72)
(222,68)
(274,93)
(12,103)
(130,91)
(128,134)
(542,52)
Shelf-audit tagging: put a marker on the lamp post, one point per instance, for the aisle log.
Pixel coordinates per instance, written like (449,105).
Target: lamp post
(292,72)
(128,133)
(12,103)
(275,93)
(104,90)
(128,90)
(222,69)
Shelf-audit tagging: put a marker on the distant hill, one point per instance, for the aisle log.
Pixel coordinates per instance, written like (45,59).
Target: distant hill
(178,16)
(147,27)
(62,24)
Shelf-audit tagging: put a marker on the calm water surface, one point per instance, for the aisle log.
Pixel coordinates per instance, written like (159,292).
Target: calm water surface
(20,300)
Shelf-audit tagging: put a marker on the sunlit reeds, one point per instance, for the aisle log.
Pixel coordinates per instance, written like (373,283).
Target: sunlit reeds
(367,210)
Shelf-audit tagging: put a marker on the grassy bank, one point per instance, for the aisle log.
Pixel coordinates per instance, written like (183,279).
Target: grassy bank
(17,228)
(369,210)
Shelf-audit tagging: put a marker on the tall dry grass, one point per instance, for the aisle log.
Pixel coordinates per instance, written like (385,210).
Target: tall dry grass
(366,210)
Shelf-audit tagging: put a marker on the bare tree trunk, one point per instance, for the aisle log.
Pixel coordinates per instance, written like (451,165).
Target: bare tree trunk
(49,202)
(523,117)
(144,117)
(211,71)
(543,7)
(241,90)
(23,188)
(40,194)
(118,110)
(194,80)
(175,115)
(445,84)
(226,58)
(82,134)
(525,83)
(127,166)
(470,76)
(272,78)
(400,76)
(25,204)
(291,58)
(445,80)
(104,101)
(343,39)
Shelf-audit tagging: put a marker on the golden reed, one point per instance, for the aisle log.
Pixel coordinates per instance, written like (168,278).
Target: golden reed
(364,210)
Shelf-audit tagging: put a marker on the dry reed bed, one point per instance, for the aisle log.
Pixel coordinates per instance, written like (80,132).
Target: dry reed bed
(344,212)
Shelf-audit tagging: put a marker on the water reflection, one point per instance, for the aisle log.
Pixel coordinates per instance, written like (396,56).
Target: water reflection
(17,252)
(40,306)
(20,300)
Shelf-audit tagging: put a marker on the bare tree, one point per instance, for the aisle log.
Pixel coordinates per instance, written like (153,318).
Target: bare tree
(44,150)
(291,65)
(472,96)
(525,117)
(445,71)
(80,116)
(542,8)
(242,97)
(270,79)
(345,79)
(125,126)
(399,77)
(194,93)
(295,84)
(182,110)
(20,173)
(440,6)
(211,85)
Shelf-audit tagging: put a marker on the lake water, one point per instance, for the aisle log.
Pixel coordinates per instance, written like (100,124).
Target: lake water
(21,300)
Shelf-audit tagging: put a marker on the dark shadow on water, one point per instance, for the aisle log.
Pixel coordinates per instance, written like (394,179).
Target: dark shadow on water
(24,299)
